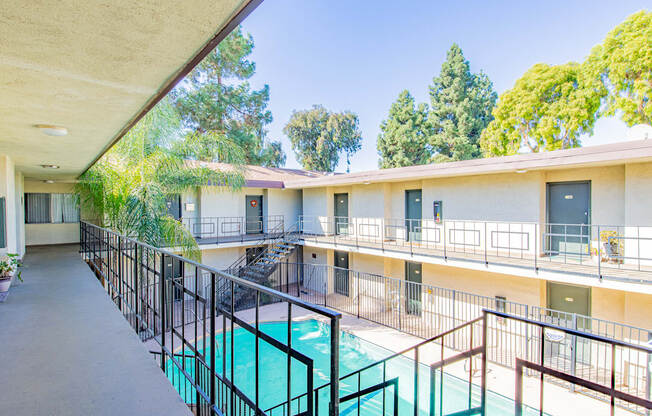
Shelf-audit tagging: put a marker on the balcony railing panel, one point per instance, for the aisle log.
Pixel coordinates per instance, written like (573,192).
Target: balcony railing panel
(221,230)
(622,253)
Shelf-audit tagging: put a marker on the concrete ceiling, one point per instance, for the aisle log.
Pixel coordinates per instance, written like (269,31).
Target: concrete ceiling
(93,67)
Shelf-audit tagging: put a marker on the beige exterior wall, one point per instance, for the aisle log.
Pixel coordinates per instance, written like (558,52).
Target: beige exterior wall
(285,202)
(221,258)
(638,310)
(62,233)
(506,197)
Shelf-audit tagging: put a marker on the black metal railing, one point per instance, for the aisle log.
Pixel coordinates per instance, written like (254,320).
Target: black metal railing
(430,378)
(222,230)
(425,310)
(615,252)
(171,308)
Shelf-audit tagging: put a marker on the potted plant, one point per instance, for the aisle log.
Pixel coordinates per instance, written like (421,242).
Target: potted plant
(8,268)
(612,246)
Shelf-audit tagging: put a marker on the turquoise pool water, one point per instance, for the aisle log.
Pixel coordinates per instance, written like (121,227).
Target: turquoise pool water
(312,338)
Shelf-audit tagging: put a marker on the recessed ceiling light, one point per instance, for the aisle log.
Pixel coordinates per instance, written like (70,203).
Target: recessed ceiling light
(50,166)
(48,181)
(521,170)
(366,182)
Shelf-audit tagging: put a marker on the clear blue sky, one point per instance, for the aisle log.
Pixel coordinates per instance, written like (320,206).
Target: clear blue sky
(358,55)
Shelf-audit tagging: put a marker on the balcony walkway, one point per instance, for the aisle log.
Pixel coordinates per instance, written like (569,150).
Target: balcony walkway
(66,349)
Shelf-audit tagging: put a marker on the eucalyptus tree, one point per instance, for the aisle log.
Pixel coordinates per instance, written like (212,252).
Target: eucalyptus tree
(126,190)
(319,135)
(622,65)
(549,108)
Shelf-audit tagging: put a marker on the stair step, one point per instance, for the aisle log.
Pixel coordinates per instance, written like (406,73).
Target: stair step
(272,254)
(288,246)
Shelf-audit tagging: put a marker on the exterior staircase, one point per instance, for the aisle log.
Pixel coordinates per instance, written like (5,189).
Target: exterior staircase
(277,246)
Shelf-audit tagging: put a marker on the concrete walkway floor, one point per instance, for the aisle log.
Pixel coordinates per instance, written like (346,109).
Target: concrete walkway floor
(67,350)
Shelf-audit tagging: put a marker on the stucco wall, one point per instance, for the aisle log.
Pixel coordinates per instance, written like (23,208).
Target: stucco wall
(285,202)
(506,197)
(221,258)
(62,233)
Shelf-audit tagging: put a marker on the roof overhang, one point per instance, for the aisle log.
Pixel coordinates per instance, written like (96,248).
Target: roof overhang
(610,154)
(95,68)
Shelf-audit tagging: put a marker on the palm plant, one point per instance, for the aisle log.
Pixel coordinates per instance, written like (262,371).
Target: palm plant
(127,189)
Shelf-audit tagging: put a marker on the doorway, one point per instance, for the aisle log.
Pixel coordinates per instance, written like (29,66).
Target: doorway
(254,214)
(341,211)
(568,213)
(341,272)
(574,304)
(413,214)
(413,288)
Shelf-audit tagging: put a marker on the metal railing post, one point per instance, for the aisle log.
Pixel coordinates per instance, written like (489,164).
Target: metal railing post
(537,230)
(400,292)
(573,363)
(358,290)
(485,244)
(335,369)
(162,311)
(211,332)
(443,231)
(599,254)
(483,379)
(416,381)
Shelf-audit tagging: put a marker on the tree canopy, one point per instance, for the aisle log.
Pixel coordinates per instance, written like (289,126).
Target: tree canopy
(460,108)
(623,64)
(217,98)
(404,136)
(318,136)
(549,108)
(126,190)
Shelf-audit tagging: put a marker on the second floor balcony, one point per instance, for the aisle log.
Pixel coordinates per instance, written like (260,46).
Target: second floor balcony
(621,253)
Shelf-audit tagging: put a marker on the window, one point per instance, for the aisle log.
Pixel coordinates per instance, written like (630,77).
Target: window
(42,208)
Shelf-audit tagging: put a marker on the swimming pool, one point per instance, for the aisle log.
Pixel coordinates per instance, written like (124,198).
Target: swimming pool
(312,338)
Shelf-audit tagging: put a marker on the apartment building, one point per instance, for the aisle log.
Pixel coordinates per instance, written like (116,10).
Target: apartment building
(567,230)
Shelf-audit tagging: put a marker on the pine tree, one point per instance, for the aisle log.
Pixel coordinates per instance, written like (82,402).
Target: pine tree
(404,136)
(216,97)
(460,108)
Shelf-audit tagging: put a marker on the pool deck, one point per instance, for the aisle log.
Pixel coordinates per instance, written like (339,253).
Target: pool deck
(67,350)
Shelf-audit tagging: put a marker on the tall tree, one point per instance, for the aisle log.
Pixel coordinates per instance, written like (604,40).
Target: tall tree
(126,190)
(404,136)
(216,97)
(460,108)
(623,65)
(318,136)
(549,108)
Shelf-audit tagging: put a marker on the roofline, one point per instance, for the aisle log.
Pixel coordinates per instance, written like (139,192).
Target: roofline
(608,154)
(233,22)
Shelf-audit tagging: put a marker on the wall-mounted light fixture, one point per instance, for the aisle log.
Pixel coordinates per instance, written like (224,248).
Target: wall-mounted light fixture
(51,130)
